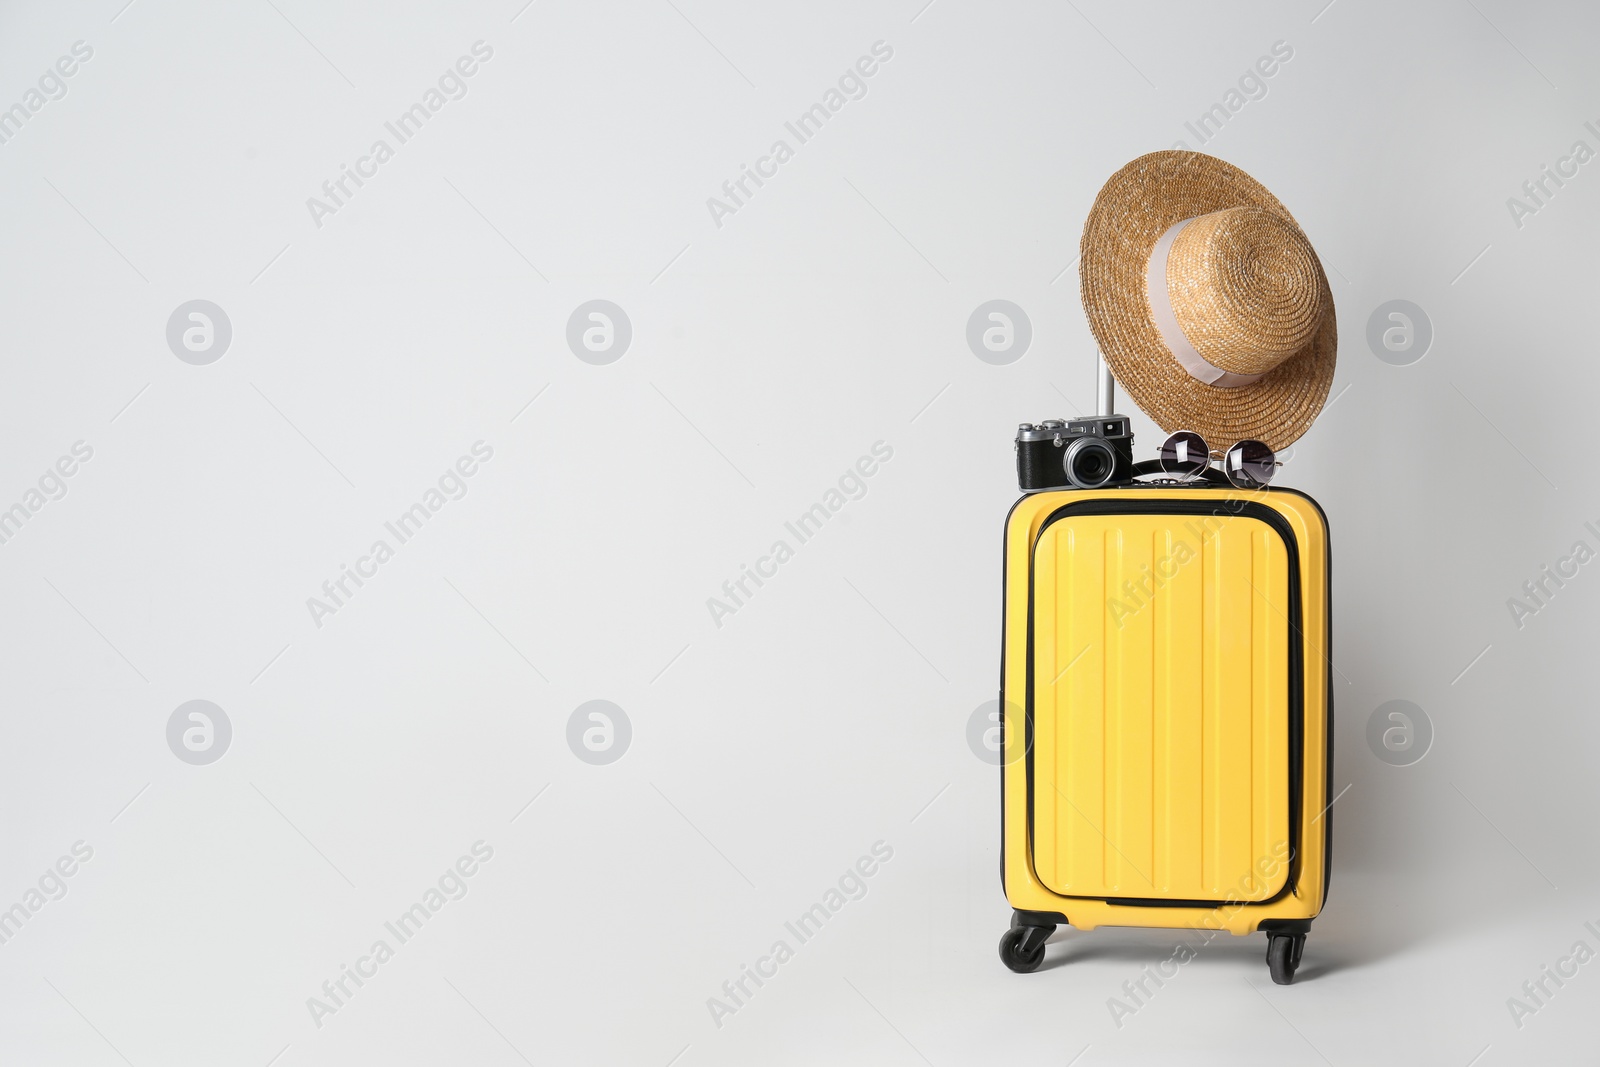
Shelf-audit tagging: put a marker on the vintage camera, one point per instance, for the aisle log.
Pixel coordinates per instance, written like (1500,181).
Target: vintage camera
(1076,453)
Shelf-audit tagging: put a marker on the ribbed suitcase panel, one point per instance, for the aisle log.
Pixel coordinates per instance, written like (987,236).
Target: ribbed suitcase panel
(1160,707)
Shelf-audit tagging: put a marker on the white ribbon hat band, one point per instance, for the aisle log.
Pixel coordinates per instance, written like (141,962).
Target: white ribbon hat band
(1166,322)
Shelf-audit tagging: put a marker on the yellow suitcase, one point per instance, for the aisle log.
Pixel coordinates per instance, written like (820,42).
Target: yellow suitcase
(1166,715)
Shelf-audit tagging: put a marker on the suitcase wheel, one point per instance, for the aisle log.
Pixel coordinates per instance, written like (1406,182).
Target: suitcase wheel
(1022,947)
(1283,956)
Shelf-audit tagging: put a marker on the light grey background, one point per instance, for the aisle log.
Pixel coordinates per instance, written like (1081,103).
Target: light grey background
(829,312)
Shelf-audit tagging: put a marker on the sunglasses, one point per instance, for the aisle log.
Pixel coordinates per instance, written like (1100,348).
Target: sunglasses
(1248,464)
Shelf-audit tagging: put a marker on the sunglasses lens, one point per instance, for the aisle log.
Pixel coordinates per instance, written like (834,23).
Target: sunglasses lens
(1184,454)
(1250,465)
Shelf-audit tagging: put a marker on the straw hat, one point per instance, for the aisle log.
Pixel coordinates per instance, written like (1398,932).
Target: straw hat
(1208,301)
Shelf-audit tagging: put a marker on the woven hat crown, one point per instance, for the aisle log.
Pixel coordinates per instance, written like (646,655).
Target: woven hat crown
(1246,288)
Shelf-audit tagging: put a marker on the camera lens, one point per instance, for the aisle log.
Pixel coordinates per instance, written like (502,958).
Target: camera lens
(1250,465)
(1089,463)
(1184,454)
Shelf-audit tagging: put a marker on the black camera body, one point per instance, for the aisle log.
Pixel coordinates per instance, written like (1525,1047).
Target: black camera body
(1075,453)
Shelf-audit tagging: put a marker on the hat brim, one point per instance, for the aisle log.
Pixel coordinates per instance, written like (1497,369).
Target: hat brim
(1134,208)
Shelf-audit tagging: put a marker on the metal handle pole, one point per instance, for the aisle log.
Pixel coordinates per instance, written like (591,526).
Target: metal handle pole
(1106,389)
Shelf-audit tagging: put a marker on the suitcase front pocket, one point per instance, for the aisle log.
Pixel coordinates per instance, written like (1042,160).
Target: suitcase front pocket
(1164,702)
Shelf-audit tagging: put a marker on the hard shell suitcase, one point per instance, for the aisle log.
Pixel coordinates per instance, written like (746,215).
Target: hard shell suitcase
(1166,714)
